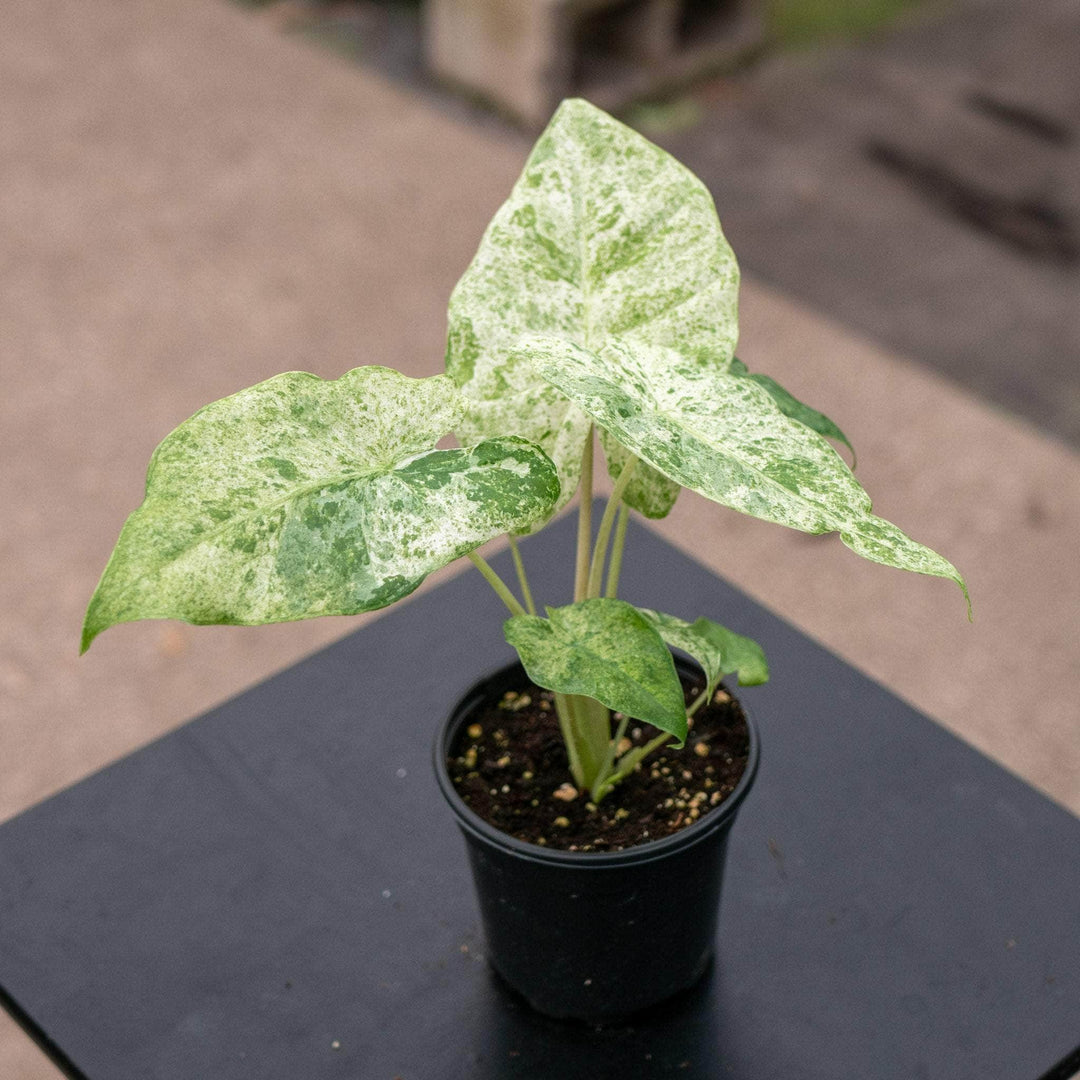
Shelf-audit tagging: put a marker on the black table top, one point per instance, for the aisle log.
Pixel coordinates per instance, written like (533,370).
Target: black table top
(276,891)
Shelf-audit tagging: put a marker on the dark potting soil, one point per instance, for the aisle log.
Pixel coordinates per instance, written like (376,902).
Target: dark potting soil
(509,765)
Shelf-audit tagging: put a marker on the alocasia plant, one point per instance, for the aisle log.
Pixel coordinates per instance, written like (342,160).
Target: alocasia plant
(602,298)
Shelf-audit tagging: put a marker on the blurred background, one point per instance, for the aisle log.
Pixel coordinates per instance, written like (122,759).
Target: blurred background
(198,195)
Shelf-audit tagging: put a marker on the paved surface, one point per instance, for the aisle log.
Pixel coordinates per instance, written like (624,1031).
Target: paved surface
(922,185)
(191,201)
(924,188)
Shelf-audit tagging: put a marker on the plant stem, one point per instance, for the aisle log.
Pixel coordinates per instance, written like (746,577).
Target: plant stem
(615,563)
(596,571)
(593,721)
(629,762)
(598,790)
(497,583)
(698,702)
(653,744)
(586,729)
(570,739)
(523,581)
(584,536)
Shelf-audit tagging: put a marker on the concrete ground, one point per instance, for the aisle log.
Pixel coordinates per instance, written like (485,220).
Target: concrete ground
(191,201)
(921,184)
(923,187)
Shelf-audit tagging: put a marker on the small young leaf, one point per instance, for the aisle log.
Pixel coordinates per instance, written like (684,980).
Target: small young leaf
(791,406)
(299,497)
(679,635)
(725,437)
(718,650)
(607,650)
(604,234)
(741,656)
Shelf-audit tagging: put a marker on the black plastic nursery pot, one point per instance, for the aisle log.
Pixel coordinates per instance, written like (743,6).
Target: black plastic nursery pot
(593,936)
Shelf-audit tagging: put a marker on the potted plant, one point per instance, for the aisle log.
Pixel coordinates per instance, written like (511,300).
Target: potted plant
(602,298)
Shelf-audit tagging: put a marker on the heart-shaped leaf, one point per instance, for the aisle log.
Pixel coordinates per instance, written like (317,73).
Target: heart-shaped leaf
(717,649)
(607,650)
(724,436)
(604,234)
(301,497)
(791,406)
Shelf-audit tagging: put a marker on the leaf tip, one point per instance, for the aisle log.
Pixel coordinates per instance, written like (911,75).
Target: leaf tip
(94,623)
(87,639)
(758,678)
(967,597)
(577,104)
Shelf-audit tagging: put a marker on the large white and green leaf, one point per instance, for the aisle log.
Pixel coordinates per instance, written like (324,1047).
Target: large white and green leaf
(607,650)
(717,649)
(604,234)
(301,497)
(724,436)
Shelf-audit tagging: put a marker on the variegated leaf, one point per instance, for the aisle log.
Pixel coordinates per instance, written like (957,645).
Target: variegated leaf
(604,234)
(649,492)
(739,655)
(724,436)
(791,406)
(299,497)
(718,650)
(606,650)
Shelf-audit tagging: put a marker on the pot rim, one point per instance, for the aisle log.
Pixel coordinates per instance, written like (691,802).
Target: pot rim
(471,822)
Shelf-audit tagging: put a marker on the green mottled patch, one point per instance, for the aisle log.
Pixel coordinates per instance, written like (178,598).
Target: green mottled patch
(606,650)
(718,650)
(739,655)
(604,234)
(724,436)
(300,497)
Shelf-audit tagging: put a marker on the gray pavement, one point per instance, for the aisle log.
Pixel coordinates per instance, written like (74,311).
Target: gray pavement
(191,201)
(923,187)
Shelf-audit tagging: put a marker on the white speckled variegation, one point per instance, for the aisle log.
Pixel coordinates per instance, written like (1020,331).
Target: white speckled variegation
(724,436)
(604,234)
(301,497)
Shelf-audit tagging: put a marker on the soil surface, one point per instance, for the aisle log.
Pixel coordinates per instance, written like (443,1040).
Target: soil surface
(509,765)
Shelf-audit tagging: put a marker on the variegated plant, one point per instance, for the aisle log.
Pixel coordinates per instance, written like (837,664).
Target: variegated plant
(603,297)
